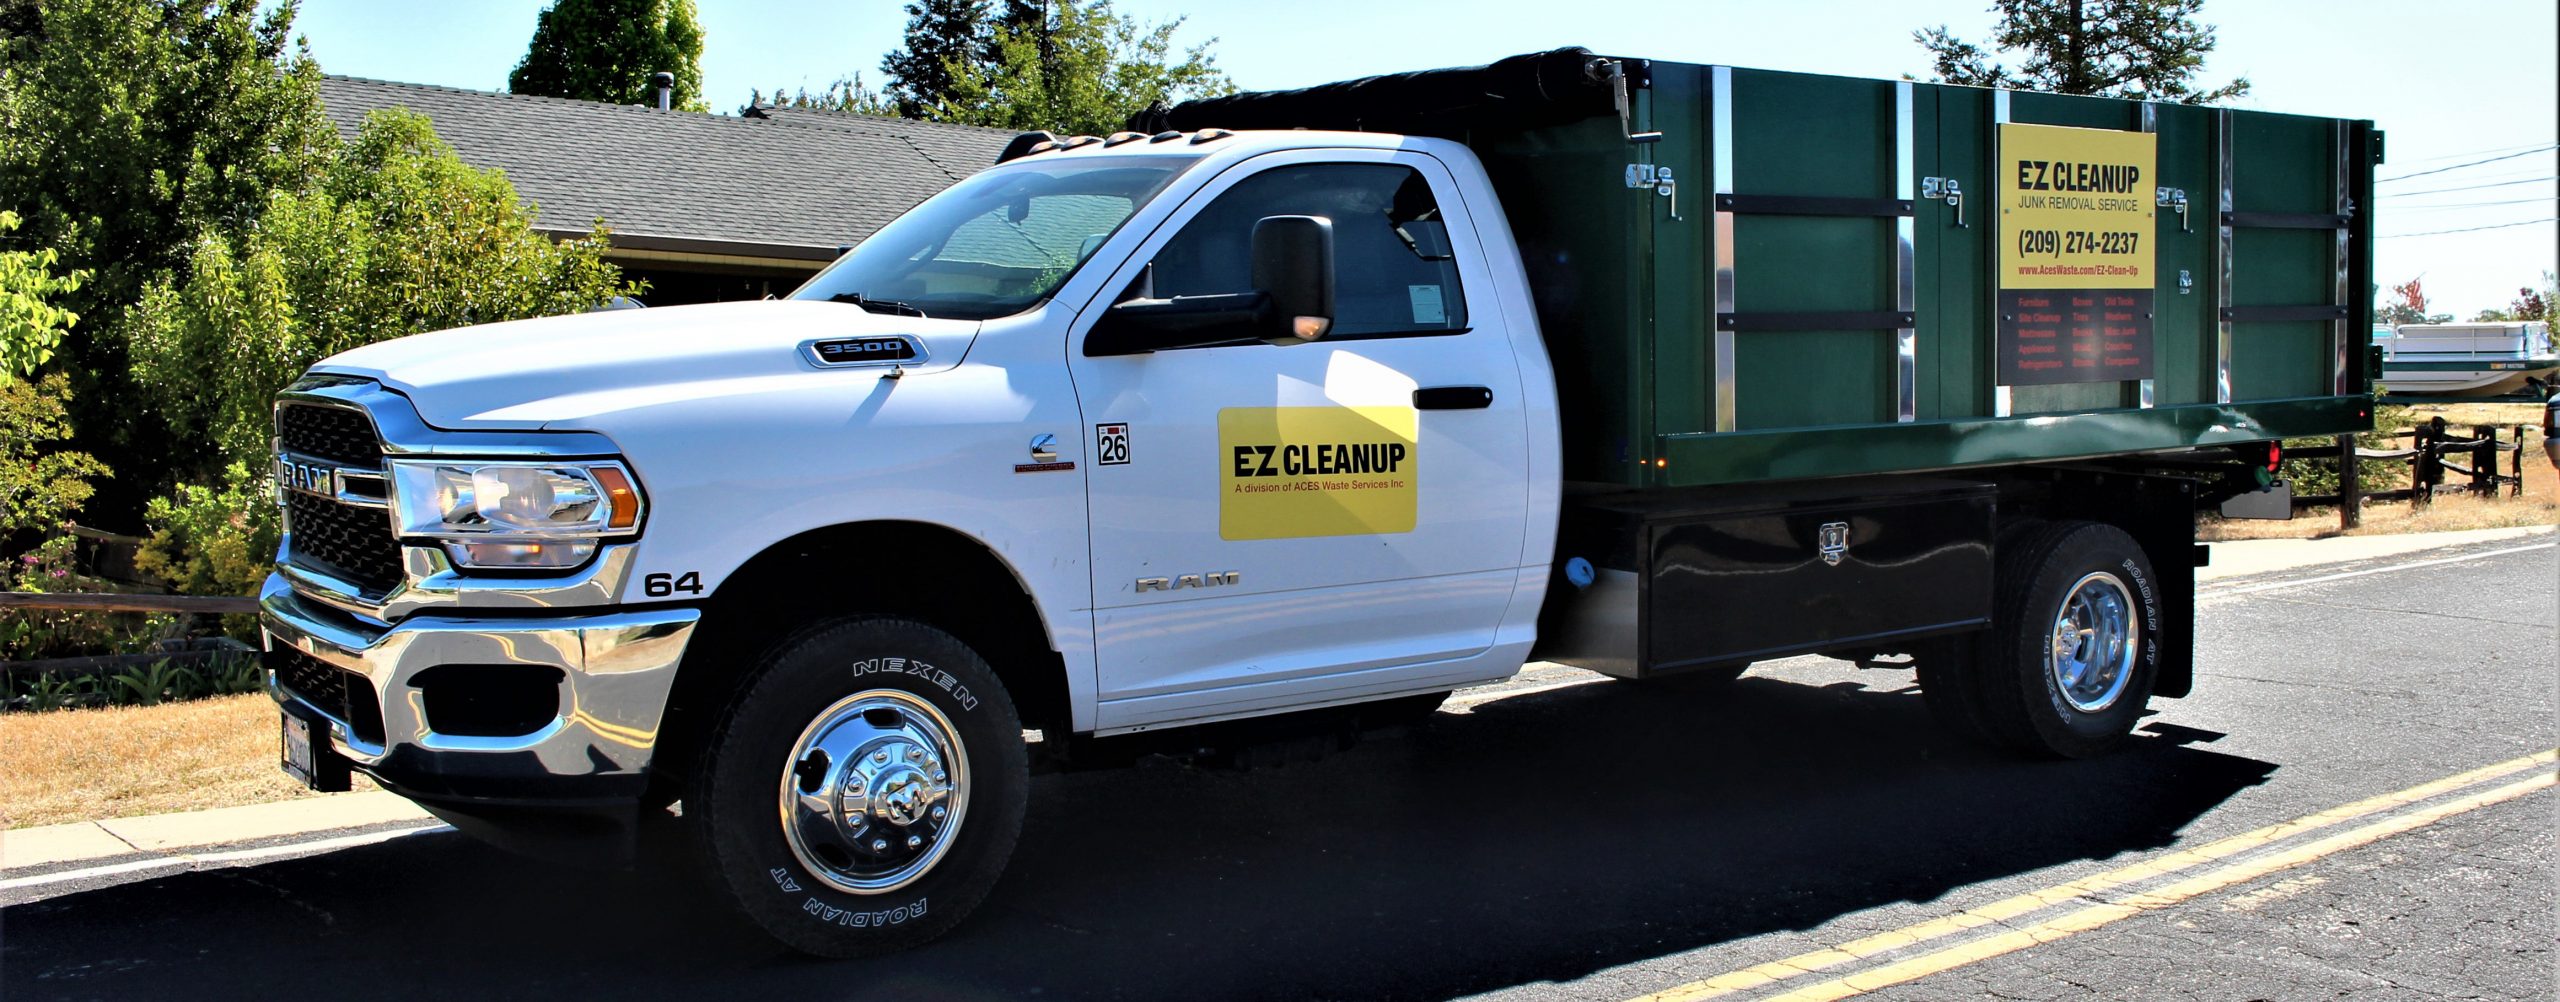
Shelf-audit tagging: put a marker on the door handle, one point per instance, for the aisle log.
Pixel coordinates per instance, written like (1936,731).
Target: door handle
(1452,398)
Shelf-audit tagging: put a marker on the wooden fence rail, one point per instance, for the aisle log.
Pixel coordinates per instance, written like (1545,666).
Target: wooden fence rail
(2430,456)
(219,656)
(127,603)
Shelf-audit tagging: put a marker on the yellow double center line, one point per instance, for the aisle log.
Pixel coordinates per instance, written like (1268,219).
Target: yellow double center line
(2091,917)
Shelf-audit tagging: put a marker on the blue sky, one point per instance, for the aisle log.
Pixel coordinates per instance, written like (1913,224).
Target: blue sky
(2452,81)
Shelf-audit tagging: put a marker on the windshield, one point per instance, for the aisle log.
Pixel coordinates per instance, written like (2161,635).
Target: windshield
(995,244)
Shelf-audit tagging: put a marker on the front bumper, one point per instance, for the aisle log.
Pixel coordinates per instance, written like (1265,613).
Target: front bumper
(618,668)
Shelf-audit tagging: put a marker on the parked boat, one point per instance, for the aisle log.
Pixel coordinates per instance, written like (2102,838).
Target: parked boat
(2465,360)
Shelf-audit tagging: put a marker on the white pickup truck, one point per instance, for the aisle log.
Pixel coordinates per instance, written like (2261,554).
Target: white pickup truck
(1124,435)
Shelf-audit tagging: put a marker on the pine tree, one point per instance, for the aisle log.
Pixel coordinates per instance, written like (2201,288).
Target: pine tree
(2146,50)
(939,34)
(607,50)
(1084,69)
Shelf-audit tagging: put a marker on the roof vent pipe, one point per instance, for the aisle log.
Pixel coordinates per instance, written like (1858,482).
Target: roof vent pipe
(666,85)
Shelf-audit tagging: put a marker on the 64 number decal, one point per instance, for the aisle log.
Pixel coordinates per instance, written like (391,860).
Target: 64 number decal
(663,585)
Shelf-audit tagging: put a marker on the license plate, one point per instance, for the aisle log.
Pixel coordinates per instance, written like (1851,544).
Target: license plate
(299,763)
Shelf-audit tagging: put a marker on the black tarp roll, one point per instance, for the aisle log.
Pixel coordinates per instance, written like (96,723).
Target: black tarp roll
(1539,88)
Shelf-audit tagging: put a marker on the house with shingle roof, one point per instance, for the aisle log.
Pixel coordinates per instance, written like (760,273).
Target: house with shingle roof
(705,207)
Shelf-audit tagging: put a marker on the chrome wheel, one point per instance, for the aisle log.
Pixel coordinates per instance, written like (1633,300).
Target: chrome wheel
(875,791)
(2095,639)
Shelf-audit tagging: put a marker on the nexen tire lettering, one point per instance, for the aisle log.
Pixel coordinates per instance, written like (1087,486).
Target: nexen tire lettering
(903,666)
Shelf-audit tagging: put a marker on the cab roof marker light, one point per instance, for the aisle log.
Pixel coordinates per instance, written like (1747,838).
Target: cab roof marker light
(1166,136)
(1118,138)
(1209,136)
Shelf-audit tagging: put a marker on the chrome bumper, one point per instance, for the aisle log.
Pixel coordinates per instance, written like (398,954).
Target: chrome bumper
(619,667)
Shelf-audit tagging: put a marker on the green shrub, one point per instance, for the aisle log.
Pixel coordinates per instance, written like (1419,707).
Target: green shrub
(215,540)
(55,692)
(154,683)
(399,237)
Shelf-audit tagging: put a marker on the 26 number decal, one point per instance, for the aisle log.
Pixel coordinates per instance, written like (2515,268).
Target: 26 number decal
(663,585)
(1111,444)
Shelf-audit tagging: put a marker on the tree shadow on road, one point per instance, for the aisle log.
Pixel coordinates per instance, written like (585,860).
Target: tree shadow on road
(1536,838)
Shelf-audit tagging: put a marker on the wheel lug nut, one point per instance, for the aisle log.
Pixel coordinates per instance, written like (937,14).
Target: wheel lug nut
(914,841)
(879,756)
(938,813)
(879,845)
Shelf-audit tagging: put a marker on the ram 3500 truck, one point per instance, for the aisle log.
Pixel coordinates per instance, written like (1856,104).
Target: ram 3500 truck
(1300,401)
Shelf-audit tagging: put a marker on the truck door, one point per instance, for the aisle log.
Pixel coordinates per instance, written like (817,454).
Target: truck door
(1281,525)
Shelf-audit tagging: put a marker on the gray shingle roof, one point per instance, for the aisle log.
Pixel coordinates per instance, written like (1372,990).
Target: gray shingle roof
(798,184)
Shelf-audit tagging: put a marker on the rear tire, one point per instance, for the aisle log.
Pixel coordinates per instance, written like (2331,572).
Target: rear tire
(2068,665)
(866,790)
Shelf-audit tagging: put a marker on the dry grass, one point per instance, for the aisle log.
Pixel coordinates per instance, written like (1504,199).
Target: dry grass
(113,762)
(2540,504)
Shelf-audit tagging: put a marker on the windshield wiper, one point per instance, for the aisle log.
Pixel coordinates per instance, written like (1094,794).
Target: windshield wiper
(876,305)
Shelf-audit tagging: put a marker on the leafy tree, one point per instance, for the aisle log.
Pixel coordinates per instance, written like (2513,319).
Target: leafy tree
(2407,304)
(940,33)
(2531,305)
(41,484)
(606,50)
(1085,72)
(847,95)
(399,237)
(2148,50)
(30,327)
(125,125)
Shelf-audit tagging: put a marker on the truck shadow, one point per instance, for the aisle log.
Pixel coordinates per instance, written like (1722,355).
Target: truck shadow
(1536,838)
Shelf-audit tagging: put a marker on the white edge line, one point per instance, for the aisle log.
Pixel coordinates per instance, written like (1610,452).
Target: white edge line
(184,861)
(2414,565)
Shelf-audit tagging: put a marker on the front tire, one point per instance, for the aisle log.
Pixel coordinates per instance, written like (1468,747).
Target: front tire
(865,792)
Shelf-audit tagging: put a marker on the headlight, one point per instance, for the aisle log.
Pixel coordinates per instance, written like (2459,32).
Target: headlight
(515,515)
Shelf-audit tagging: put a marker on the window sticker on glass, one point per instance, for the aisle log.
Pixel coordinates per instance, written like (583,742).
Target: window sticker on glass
(1426,304)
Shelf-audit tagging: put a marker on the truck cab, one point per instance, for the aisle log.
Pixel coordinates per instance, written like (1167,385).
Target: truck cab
(531,568)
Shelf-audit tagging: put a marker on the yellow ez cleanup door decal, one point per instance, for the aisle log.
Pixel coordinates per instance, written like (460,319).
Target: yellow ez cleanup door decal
(1293,472)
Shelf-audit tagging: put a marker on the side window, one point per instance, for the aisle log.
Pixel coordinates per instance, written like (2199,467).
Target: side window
(1394,272)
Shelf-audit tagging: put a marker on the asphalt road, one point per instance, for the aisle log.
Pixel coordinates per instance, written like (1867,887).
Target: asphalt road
(1565,839)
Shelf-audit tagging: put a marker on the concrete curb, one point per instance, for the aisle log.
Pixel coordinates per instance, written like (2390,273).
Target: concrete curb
(31,850)
(2243,557)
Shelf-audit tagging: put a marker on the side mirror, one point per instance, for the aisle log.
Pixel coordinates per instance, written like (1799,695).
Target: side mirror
(1291,302)
(1293,264)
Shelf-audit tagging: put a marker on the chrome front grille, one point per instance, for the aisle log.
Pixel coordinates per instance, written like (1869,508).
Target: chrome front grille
(344,541)
(353,543)
(336,434)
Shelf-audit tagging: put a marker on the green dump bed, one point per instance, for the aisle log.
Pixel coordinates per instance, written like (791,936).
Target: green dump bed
(1811,276)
